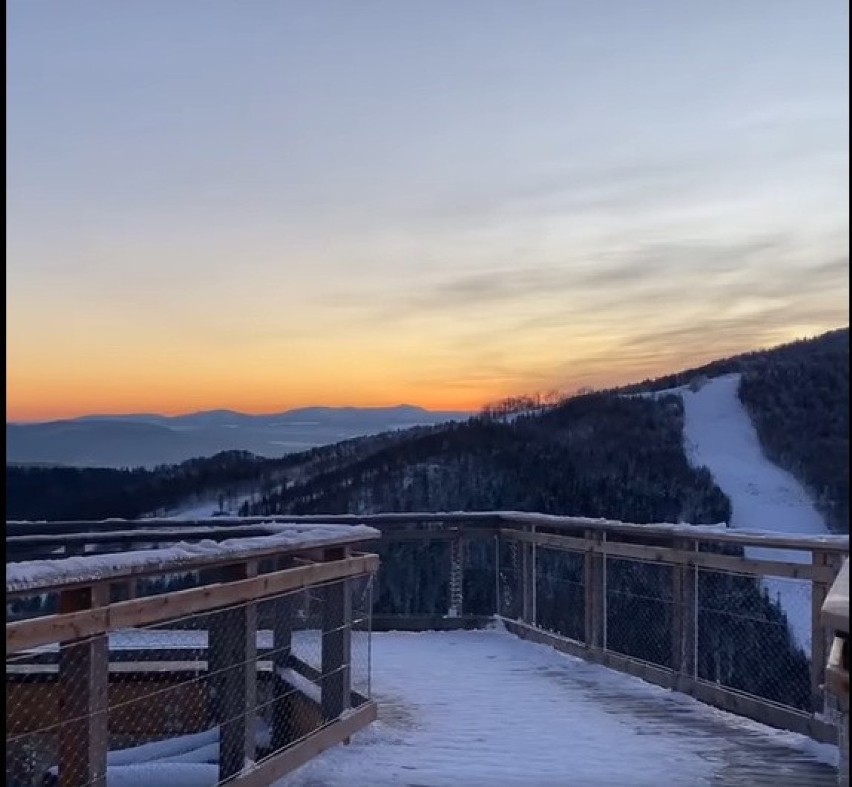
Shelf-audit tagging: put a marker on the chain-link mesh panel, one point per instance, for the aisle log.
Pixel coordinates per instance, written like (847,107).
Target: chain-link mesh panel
(754,635)
(208,693)
(639,609)
(560,592)
(508,586)
(480,587)
(414,579)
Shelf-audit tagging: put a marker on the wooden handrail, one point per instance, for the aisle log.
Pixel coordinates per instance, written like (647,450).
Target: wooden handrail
(89,570)
(26,634)
(704,533)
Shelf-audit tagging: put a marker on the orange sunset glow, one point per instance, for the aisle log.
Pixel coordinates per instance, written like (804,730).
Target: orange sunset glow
(413,208)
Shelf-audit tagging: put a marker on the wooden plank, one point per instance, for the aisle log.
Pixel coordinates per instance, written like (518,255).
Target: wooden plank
(684,621)
(284,610)
(754,708)
(449,534)
(570,543)
(184,565)
(522,519)
(455,607)
(232,659)
(25,634)
(831,543)
(279,765)
(683,555)
(428,622)
(820,636)
(765,712)
(594,590)
(83,699)
(335,682)
(313,674)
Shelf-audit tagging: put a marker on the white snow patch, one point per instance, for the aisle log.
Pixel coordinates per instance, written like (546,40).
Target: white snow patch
(301,683)
(719,434)
(486,708)
(91,568)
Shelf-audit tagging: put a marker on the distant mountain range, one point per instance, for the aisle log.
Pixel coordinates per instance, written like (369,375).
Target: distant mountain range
(148,440)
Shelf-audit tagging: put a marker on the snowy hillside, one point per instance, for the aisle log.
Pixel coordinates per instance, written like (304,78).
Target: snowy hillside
(719,435)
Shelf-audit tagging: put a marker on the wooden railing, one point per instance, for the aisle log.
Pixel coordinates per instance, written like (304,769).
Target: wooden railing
(493,565)
(268,570)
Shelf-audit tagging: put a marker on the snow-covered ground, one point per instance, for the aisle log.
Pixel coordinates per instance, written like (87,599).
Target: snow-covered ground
(485,708)
(204,509)
(719,434)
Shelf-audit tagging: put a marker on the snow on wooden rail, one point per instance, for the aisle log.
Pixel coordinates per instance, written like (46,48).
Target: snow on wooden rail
(44,575)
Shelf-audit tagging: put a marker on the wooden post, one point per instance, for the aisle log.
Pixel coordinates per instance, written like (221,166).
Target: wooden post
(456,608)
(527,583)
(232,660)
(83,697)
(283,614)
(594,592)
(684,600)
(335,681)
(820,637)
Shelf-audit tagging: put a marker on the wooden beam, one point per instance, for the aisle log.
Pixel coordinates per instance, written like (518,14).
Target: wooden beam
(684,621)
(820,635)
(83,698)
(751,707)
(232,660)
(335,682)
(283,613)
(594,592)
(681,555)
(199,562)
(25,634)
(279,765)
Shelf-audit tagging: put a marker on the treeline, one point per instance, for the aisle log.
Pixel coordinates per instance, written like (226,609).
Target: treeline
(597,455)
(799,403)
(97,493)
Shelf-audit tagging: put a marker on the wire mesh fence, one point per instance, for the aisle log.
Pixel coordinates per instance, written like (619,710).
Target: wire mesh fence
(639,610)
(199,697)
(508,580)
(754,635)
(560,592)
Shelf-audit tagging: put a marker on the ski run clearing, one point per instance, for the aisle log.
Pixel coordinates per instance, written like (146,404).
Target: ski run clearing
(719,435)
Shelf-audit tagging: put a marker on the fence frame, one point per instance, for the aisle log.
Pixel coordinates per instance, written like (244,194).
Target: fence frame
(86,617)
(677,546)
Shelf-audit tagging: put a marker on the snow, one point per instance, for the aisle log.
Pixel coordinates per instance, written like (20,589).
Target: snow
(301,683)
(205,509)
(719,434)
(163,774)
(485,708)
(184,761)
(92,568)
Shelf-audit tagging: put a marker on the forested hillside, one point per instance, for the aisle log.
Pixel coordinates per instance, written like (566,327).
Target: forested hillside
(798,399)
(595,455)
(598,454)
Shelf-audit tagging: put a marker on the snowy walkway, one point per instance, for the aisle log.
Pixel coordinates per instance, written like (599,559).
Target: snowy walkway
(719,434)
(485,708)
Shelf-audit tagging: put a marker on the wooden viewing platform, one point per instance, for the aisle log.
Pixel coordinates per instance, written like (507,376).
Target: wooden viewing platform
(249,571)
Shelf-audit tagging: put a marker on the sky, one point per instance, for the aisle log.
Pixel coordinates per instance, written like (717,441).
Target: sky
(265,204)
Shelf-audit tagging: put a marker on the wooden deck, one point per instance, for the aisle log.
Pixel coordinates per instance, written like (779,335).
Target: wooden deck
(486,708)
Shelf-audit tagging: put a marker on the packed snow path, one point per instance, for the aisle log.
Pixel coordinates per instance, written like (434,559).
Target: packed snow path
(719,434)
(485,708)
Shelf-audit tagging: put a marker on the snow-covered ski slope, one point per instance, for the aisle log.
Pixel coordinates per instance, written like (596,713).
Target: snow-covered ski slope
(719,435)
